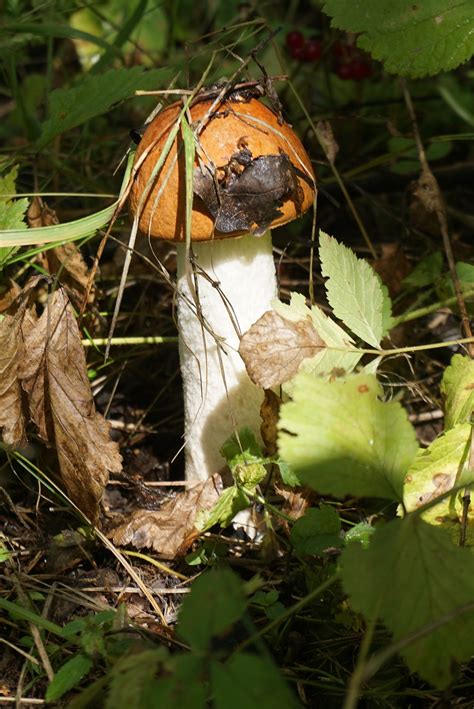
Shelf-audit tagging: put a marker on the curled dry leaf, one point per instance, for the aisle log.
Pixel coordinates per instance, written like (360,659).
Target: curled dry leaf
(67,263)
(328,142)
(39,214)
(53,373)
(170,531)
(14,328)
(8,294)
(274,347)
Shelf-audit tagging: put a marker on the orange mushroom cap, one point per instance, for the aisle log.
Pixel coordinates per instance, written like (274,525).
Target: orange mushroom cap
(250,167)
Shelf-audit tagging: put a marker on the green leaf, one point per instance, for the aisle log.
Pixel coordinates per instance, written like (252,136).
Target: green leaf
(232,501)
(340,439)
(184,688)
(434,472)
(251,682)
(354,290)
(412,38)
(241,449)
(427,272)
(12,212)
(361,533)
(130,677)
(214,604)
(413,577)
(68,676)
(96,94)
(316,531)
(457,388)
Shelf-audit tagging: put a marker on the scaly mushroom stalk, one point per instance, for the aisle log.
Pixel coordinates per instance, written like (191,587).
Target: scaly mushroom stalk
(251,174)
(235,285)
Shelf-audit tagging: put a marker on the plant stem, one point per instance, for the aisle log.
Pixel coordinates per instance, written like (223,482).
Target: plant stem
(290,611)
(421,312)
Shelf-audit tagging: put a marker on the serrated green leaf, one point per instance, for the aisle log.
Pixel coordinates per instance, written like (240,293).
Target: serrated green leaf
(12,212)
(96,94)
(68,676)
(232,501)
(434,472)
(340,354)
(316,531)
(361,533)
(354,290)
(412,38)
(457,388)
(340,439)
(412,576)
(252,682)
(241,449)
(214,604)
(182,689)
(130,677)
(426,272)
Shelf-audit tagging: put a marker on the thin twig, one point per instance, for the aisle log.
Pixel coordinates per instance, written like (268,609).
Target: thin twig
(430,195)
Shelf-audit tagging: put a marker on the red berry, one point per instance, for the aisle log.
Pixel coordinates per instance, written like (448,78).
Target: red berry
(360,69)
(344,71)
(312,50)
(295,40)
(297,53)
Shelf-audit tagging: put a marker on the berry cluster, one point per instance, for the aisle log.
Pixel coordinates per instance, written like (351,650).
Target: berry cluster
(350,62)
(304,50)
(347,61)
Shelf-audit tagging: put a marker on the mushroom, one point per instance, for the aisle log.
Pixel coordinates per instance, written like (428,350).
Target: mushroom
(251,174)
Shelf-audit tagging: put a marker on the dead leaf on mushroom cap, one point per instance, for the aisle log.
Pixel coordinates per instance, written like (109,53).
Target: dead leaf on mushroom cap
(274,347)
(170,531)
(53,373)
(248,196)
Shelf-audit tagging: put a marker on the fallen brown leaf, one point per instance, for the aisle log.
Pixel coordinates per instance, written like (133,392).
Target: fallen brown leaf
(327,140)
(39,214)
(170,530)
(67,263)
(392,267)
(273,348)
(14,328)
(8,294)
(53,373)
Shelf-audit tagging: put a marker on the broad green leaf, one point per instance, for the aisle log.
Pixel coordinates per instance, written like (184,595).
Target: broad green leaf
(130,676)
(457,388)
(340,439)
(434,472)
(181,688)
(250,681)
(354,290)
(416,581)
(425,273)
(411,38)
(340,354)
(214,604)
(96,94)
(316,531)
(68,676)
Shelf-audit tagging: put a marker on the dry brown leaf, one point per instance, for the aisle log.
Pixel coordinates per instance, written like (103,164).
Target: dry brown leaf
(67,263)
(392,267)
(170,530)
(328,142)
(54,376)
(273,348)
(297,499)
(8,294)
(39,214)
(14,328)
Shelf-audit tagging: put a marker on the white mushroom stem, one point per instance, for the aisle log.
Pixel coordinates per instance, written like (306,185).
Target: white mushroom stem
(219,398)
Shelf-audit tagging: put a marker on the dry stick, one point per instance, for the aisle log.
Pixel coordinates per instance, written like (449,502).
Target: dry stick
(432,199)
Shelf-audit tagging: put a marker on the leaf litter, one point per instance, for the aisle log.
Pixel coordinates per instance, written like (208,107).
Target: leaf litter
(44,380)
